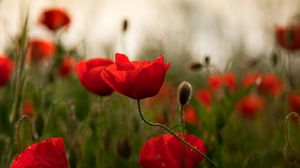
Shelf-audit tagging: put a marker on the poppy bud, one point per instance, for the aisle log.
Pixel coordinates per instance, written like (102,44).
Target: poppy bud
(124,149)
(207,60)
(184,92)
(24,132)
(125,25)
(196,66)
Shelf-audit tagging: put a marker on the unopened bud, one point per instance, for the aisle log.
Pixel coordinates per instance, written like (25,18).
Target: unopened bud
(207,60)
(274,59)
(184,92)
(125,25)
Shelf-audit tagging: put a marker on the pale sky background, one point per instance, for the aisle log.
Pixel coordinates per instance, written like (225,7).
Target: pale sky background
(214,27)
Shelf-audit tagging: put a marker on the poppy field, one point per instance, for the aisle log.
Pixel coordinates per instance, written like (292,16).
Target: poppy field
(60,108)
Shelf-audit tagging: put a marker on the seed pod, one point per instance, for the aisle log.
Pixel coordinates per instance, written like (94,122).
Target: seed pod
(184,92)
(207,60)
(196,66)
(274,59)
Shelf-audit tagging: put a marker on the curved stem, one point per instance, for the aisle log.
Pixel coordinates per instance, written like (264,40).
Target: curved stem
(287,132)
(173,133)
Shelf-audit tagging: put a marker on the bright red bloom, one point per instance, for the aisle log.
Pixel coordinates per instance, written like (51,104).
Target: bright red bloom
(89,74)
(229,80)
(294,102)
(55,18)
(166,151)
(190,115)
(289,37)
(215,81)
(49,153)
(137,79)
(28,108)
(250,79)
(40,49)
(250,105)
(6,67)
(270,85)
(204,97)
(66,66)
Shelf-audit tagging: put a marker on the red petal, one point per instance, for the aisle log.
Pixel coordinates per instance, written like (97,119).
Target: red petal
(123,62)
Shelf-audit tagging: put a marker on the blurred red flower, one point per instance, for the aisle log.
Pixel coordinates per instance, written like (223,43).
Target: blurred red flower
(166,151)
(40,49)
(66,66)
(215,81)
(250,105)
(6,67)
(45,154)
(137,79)
(288,37)
(55,18)
(250,79)
(89,74)
(204,96)
(28,108)
(270,84)
(190,115)
(294,101)
(229,80)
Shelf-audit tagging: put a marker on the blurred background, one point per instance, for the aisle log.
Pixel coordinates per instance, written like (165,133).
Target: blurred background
(193,28)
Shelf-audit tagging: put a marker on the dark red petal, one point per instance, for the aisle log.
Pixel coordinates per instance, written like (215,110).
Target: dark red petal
(46,154)
(95,62)
(123,62)
(148,81)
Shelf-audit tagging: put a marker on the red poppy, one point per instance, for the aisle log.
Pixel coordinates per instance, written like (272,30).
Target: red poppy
(166,151)
(40,49)
(250,105)
(6,67)
(45,154)
(229,80)
(294,102)
(55,18)
(190,115)
(137,79)
(28,108)
(289,37)
(215,81)
(270,85)
(204,96)
(89,74)
(250,79)
(66,66)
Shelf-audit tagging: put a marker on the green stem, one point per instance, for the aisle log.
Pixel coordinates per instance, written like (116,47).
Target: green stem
(183,133)
(173,133)
(286,123)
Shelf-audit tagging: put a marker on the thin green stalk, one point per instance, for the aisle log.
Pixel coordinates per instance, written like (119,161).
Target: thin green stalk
(183,134)
(286,124)
(173,133)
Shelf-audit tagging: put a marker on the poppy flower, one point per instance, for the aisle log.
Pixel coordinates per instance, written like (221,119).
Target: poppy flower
(28,108)
(55,18)
(270,85)
(190,115)
(204,97)
(6,67)
(229,80)
(137,79)
(294,102)
(40,49)
(45,154)
(166,151)
(250,79)
(250,105)
(65,67)
(288,37)
(215,81)
(89,74)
